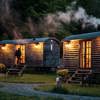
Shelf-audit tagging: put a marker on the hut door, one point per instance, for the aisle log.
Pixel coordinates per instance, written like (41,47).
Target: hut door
(22,58)
(85,54)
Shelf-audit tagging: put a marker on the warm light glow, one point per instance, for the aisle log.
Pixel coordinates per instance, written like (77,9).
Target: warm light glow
(68,45)
(22,48)
(3,47)
(72,44)
(37,45)
(85,61)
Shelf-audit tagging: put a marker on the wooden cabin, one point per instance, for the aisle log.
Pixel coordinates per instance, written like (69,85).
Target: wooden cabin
(81,53)
(35,52)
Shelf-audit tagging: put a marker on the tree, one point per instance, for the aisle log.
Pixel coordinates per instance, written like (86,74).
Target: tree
(38,8)
(91,6)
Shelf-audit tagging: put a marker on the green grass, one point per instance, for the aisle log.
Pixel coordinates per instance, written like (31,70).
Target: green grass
(72,89)
(29,78)
(8,96)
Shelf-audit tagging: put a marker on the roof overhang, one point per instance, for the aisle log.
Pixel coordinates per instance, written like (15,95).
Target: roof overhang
(84,36)
(27,41)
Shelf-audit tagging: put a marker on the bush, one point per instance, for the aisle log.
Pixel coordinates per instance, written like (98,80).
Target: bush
(2,67)
(62,72)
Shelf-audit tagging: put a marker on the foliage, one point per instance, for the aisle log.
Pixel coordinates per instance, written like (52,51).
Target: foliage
(62,72)
(27,35)
(2,67)
(91,6)
(38,8)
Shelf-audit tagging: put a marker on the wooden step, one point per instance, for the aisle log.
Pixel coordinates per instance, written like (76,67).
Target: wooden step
(84,71)
(12,71)
(74,81)
(78,74)
(15,70)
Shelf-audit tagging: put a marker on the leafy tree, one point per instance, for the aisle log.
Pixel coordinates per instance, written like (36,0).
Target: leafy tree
(91,6)
(39,8)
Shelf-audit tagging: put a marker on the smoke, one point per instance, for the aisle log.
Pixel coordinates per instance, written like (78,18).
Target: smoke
(32,26)
(5,8)
(81,14)
(53,21)
(50,23)
(8,19)
(77,15)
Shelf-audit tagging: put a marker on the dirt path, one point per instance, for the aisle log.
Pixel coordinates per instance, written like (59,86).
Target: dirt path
(27,90)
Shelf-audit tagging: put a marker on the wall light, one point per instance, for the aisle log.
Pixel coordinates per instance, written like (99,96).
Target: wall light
(68,44)
(3,47)
(36,45)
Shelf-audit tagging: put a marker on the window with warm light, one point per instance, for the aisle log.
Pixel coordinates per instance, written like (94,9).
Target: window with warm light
(85,55)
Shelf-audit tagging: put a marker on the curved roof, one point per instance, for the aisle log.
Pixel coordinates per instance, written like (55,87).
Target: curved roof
(19,41)
(26,41)
(82,36)
(45,39)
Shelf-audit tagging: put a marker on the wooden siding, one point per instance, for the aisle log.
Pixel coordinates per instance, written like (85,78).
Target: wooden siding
(34,54)
(7,54)
(96,54)
(71,54)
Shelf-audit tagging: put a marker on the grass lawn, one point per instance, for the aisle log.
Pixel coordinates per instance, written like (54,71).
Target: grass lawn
(72,89)
(29,78)
(8,96)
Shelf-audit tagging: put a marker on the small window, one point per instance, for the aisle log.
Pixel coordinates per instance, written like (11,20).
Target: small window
(51,45)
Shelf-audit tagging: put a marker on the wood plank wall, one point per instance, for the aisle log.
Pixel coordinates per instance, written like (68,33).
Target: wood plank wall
(96,54)
(7,54)
(34,54)
(71,54)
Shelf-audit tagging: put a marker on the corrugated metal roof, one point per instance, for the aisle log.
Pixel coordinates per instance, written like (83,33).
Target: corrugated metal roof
(25,41)
(82,36)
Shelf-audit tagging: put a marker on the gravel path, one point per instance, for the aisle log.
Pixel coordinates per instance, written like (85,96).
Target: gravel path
(27,90)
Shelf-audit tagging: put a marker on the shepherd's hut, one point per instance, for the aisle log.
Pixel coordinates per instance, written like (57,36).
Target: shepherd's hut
(35,52)
(81,54)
